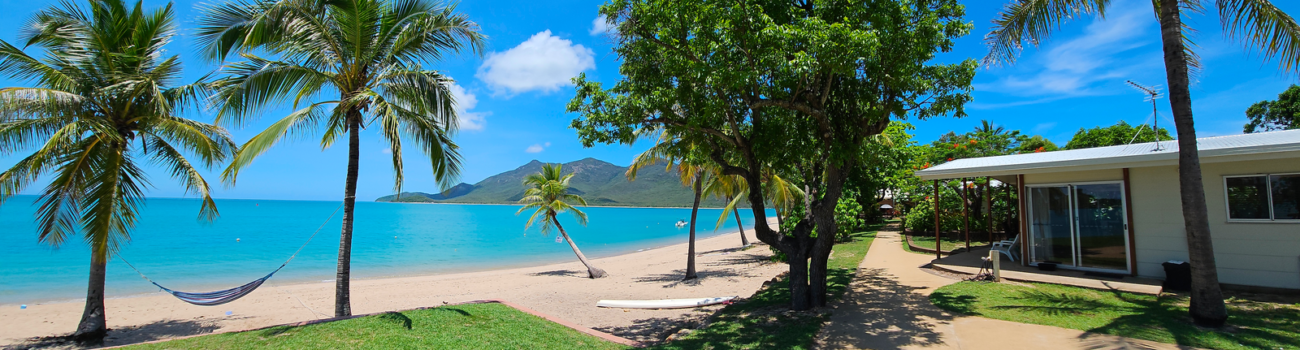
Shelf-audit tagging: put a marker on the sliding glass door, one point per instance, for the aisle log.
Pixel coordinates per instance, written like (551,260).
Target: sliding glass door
(1050,225)
(1080,225)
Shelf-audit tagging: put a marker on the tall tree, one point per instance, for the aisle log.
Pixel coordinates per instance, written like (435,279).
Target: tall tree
(548,194)
(1280,114)
(1119,134)
(1258,23)
(797,86)
(367,55)
(104,100)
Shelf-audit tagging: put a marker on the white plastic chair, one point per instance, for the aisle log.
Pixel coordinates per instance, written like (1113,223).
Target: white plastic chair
(1006,247)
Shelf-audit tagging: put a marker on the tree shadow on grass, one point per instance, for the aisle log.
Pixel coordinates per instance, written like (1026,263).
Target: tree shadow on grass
(165,329)
(656,329)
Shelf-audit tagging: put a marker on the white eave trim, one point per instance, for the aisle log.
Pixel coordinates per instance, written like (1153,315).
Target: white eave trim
(1261,152)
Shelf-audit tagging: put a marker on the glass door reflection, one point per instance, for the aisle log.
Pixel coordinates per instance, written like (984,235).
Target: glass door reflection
(1100,230)
(1051,230)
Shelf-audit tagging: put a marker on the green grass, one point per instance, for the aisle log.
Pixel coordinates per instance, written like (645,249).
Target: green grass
(947,244)
(472,326)
(1253,324)
(761,321)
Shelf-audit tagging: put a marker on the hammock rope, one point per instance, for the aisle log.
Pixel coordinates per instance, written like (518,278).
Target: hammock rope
(232,294)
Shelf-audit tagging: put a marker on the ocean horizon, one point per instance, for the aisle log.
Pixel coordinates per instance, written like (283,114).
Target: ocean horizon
(252,237)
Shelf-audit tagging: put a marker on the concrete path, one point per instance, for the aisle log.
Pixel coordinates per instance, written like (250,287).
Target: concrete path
(888,307)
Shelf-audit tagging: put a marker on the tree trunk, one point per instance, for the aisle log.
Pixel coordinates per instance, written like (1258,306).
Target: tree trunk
(823,214)
(342,279)
(744,242)
(695,209)
(592,271)
(1207,306)
(93,327)
(799,292)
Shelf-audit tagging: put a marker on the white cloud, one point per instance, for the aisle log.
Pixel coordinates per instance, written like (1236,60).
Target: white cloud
(543,63)
(1122,46)
(466,101)
(548,144)
(600,25)
(388,151)
(1040,128)
(536,148)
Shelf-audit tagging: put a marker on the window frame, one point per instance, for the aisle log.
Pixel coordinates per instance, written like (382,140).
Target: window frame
(1268,184)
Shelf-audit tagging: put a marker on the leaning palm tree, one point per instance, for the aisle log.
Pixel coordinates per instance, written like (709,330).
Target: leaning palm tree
(104,101)
(548,193)
(1258,22)
(365,55)
(728,188)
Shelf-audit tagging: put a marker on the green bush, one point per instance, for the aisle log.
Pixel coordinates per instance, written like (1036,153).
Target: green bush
(848,218)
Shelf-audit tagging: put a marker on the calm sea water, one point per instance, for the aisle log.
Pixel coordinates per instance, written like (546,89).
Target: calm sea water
(253,237)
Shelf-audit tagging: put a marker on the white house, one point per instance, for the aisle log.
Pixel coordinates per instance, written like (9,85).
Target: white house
(1117,209)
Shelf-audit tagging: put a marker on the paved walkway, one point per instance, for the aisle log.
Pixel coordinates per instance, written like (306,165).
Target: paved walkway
(888,307)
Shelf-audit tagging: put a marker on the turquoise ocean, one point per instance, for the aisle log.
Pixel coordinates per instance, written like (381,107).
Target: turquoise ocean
(253,237)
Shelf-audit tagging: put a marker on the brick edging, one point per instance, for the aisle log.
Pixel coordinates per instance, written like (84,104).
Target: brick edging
(584,330)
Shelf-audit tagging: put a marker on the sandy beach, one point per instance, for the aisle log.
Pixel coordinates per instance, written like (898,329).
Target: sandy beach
(560,290)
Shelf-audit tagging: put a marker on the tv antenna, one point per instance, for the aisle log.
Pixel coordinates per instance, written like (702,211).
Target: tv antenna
(1153,93)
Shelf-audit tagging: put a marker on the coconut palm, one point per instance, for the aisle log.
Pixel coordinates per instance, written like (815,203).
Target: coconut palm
(103,102)
(675,154)
(728,188)
(548,194)
(363,57)
(1258,23)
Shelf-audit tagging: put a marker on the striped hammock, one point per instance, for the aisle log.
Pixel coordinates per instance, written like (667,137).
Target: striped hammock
(218,297)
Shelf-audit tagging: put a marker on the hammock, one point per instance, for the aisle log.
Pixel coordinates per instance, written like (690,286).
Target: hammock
(232,294)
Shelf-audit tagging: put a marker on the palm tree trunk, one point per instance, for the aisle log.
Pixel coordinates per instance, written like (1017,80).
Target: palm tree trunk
(1207,307)
(342,279)
(93,327)
(695,209)
(592,271)
(744,242)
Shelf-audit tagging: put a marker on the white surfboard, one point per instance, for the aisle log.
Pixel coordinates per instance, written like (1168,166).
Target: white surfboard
(662,303)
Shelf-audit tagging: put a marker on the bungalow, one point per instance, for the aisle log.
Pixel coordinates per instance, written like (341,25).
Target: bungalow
(1117,209)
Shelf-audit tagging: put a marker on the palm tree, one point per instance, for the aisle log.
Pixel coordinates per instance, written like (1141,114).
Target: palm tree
(729,188)
(548,193)
(367,55)
(675,154)
(103,100)
(1258,22)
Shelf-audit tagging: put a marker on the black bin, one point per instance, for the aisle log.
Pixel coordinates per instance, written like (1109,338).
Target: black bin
(1178,276)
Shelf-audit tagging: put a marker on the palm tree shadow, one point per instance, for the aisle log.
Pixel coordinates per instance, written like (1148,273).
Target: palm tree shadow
(561,273)
(159,330)
(674,279)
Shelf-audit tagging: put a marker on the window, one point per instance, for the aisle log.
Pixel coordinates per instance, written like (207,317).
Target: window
(1263,197)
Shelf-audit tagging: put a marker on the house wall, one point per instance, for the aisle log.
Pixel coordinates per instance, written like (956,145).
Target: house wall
(1074,176)
(1253,254)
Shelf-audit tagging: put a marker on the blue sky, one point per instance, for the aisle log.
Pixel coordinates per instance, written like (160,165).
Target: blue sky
(513,98)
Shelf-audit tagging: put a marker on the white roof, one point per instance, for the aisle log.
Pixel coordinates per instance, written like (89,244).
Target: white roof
(1268,145)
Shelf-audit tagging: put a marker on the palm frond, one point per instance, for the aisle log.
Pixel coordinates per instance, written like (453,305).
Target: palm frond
(295,123)
(181,169)
(1265,27)
(1032,21)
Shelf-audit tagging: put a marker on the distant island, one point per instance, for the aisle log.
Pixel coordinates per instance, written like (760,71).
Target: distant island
(600,182)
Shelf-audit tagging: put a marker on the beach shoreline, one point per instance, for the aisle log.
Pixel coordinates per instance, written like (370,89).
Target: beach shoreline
(559,289)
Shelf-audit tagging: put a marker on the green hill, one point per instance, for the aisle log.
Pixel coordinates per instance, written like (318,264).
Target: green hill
(601,183)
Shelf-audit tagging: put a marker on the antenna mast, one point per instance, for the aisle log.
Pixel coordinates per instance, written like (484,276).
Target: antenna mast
(1153,93)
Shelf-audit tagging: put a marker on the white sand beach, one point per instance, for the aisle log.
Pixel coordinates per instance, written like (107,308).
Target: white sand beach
(560,290)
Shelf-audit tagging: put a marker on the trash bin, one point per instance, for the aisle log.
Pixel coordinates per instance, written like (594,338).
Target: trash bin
(1178,276)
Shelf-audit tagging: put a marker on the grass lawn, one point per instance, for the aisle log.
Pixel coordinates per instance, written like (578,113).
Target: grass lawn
(762,323)
(948,245)
(472,326)
(1253,324)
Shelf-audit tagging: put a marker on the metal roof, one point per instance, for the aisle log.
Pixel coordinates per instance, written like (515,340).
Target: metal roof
(1268,145)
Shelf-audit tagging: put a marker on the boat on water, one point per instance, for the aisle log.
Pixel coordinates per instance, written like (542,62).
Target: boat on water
(682,223)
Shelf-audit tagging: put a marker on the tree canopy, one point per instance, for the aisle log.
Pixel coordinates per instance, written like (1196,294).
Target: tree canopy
(778,87)
(1280,114)
(1119,134)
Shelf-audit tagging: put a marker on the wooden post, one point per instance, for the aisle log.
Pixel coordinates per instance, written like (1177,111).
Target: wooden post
(965,213)
(1024,225)
(988,200)
(937,251)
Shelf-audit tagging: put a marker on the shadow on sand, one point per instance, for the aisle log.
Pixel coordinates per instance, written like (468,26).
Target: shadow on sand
(123,336)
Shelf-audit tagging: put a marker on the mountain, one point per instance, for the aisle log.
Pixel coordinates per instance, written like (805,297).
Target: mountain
(601,183)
